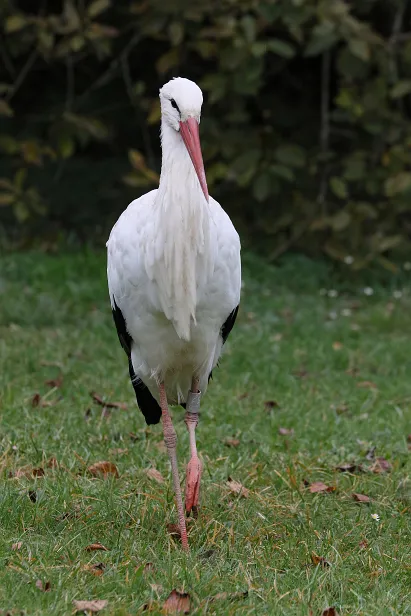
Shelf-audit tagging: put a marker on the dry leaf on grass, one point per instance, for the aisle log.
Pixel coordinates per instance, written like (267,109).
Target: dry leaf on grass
(232,442)
(330,611)
(363,545)
(37,400)
(153,473)
(350,467)
(117,452)
(319,560)
(243,396)
(103,469)
(319,486)
(90,606)
(109,405)
(93,547)
(177,603)
(337,346)
(285,431)
(237,488)
(269,405)
(361,498)
(367,385)
(43,587)
(26,471)
(381,465)
(17,546)
(57,382)
(97,569)
(173,530)
(52,463)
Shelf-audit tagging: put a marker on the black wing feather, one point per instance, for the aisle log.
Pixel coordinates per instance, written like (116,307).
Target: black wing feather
(229,324)
(147,404)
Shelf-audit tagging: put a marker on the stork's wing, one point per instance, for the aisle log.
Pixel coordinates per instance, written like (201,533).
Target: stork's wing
(229,324)
(147,404)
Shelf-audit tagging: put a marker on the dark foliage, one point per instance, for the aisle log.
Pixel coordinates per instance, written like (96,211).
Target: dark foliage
(306,128)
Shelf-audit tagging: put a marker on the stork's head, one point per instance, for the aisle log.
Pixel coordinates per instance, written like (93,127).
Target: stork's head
(181,101)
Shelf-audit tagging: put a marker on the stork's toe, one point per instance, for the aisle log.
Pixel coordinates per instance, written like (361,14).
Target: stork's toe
(193,478)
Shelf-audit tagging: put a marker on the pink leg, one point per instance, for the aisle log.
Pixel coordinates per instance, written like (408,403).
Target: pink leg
(194,467)
(170,439)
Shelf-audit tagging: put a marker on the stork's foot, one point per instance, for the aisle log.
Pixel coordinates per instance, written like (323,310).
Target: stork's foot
(193,477)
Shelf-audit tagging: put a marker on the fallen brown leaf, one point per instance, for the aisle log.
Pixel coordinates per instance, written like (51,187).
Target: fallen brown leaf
(103,468)
(330,611)
(174,530)
(90,606)
(109,405)
(337,346)
(117,452)
(232,442)
(57,382)
(285,431)
(96,569)
(363,545)
(350,467)
(319,486)
(38,472)
(26,471)
(43,587)
(269,405)
(367,385)
(93,547)
(153,473)
(17,546)
(237,488)
(52,463)
(361,498)
(319,560)
(381,465)
(177,603)
(37,400)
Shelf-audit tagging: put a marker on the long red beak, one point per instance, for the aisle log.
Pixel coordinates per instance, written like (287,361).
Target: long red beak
(191,137)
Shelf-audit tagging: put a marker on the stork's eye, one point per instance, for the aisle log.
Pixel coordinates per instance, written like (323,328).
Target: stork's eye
(174,104)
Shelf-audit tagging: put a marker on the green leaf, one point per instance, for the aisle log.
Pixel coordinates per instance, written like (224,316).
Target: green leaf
(283,172)
(360,49)
(339,187)
(65,145)
(5,109)
(323,37)
(340,221)
(291,155)
(249,29)
(397,184)
(20,178)
(6,199)
(21,211)
(167,61)
(14,23)
(262,186)
(176,32)
(401,89)
(244,166)
(97,7)
(281,48)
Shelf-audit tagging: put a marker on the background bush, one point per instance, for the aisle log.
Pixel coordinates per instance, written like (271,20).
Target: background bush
(305,131)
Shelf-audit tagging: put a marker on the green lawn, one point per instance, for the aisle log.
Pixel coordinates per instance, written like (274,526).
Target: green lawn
(335,370)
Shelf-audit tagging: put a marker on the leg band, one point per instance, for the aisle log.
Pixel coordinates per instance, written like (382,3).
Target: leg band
(193,402)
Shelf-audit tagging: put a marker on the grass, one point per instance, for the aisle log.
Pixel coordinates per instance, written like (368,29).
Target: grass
(337,373)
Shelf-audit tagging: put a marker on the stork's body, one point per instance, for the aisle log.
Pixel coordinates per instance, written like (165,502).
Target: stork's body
(174,278)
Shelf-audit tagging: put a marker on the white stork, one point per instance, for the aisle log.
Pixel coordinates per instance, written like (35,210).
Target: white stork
(174,277)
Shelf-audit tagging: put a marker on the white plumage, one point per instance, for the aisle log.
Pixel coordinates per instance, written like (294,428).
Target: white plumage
(174,265)
(174,277)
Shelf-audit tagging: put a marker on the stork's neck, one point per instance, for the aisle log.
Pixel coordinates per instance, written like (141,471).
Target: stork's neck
(182,226)
(178,181)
